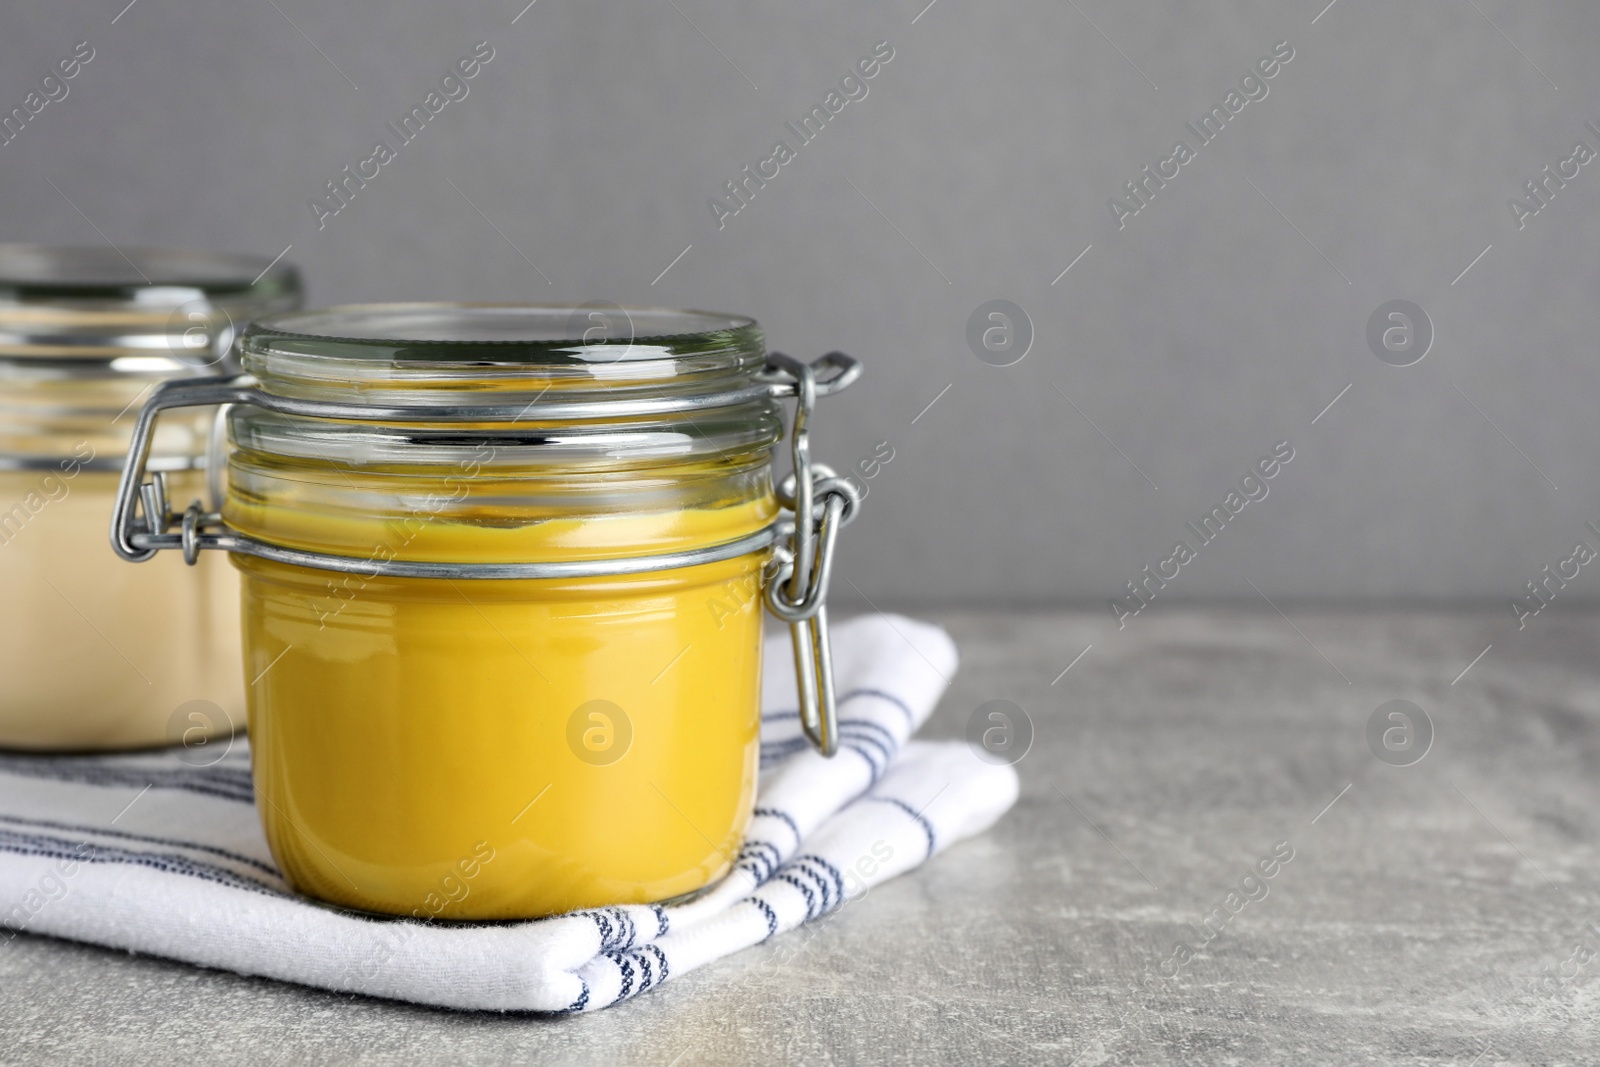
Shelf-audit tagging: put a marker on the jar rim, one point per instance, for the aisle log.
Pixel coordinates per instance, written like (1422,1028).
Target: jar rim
(444,333)
(141,277)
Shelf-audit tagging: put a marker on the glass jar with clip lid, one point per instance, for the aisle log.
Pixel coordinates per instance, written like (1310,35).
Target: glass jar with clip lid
(96,655)
(503,572)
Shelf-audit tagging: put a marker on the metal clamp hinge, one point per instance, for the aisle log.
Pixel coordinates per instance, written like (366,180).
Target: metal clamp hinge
(820,503)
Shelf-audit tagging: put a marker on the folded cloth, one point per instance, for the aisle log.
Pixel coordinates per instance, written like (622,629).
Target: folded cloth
(145,853)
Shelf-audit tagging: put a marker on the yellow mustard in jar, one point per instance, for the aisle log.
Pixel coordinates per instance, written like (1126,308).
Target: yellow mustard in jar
(503,575)
(96,655)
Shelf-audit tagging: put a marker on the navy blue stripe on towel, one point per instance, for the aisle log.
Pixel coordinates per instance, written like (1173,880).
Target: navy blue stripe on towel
(927,827)
(766,909)
(227,783)
(627,976)
(95,831)
(784,817)
(579,1004)
(811,898)
(833,872)
(166,862)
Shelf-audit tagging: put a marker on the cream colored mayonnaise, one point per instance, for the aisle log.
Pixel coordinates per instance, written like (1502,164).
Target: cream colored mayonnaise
(97,654)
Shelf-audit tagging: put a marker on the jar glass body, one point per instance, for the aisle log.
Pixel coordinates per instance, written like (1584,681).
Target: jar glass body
(467,748)
(98,655)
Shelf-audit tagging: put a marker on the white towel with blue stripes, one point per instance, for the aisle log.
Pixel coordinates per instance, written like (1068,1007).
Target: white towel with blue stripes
(144,853)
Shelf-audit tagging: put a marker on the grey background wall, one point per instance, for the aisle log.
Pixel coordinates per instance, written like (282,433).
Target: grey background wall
(1175,353)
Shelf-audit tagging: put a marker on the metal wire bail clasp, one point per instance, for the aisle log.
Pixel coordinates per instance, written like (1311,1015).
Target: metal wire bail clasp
(820,503)
(137,537)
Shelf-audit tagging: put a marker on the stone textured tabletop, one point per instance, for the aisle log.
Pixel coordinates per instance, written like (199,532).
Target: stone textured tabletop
(1435,913)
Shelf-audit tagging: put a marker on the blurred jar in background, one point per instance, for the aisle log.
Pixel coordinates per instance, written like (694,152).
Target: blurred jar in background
(94,654)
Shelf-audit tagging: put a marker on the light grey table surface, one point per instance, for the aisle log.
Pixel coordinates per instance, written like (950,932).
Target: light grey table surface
(1443,912)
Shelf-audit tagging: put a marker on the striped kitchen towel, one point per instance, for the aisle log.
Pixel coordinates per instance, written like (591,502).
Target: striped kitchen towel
(144,853)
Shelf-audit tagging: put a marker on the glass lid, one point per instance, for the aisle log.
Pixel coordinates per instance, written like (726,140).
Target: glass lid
(566,384)
(101,303)
(540,328)
(436,353)
(31,271)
